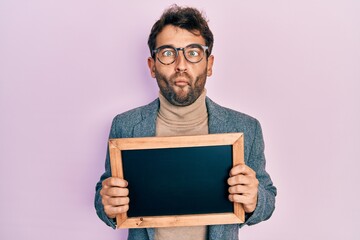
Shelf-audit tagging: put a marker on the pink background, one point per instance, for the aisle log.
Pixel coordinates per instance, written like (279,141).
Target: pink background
(68,67)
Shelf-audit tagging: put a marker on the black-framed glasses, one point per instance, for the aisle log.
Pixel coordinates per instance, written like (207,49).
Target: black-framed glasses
(167,54)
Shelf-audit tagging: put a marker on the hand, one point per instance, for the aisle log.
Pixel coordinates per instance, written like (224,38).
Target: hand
(243,187)
(114,196)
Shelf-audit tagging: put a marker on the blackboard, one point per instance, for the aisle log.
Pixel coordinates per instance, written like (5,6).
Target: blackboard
(177,181)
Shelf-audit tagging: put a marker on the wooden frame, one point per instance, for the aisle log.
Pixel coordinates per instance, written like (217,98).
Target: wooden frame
(116,146)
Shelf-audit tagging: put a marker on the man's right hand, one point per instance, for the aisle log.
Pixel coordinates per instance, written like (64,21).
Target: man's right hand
(114,195)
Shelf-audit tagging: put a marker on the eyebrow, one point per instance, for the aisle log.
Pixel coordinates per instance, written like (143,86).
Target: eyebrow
(194,45)
(165,46)
(172,46)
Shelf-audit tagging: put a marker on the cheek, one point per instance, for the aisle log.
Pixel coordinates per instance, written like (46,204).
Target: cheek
(161,78)
(163,71)
(201,72)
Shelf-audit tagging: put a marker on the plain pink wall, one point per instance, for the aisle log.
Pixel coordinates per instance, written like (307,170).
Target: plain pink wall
(68,67)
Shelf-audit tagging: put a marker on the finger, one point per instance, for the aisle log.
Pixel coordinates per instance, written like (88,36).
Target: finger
(239,189)
(239,179)
(244,199)
(114,182)
(238,169)
(113,211)
(117,192)
(248,202)
(117,201)
(114,192)
(240,198)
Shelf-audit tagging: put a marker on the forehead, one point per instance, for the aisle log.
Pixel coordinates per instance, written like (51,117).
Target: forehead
(177,37)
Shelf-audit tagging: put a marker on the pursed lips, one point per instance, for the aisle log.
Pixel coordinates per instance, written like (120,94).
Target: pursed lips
(181,82)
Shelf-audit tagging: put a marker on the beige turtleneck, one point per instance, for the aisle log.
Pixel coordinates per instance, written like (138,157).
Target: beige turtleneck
(181,121)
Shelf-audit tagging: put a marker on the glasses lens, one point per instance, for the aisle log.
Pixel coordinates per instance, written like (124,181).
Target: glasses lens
(194,53)
(166,55)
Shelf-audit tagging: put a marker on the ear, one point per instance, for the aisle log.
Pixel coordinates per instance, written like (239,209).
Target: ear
(151,65)
(210,65)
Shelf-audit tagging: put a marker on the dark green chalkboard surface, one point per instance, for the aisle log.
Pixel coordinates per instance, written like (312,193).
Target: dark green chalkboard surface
(177,181)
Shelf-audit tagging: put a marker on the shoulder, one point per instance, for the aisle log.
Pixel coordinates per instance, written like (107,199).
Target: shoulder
(138,112)
(231,117)
(127,120)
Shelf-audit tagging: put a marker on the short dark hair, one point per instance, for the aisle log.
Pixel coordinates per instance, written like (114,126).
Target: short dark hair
(187,18)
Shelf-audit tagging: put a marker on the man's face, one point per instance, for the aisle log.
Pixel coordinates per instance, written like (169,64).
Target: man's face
(181,82)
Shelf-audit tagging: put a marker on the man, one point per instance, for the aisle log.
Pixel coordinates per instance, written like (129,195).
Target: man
(180,44)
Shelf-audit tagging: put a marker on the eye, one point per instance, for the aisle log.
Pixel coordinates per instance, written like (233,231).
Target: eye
(193,53)
(168,53)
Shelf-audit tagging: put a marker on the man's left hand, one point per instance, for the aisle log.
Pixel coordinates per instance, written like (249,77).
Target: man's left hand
(243,187)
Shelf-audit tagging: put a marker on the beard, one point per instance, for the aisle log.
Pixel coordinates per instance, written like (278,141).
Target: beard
(181,96)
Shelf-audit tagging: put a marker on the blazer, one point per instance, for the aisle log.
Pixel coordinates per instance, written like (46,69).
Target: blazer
(141,122)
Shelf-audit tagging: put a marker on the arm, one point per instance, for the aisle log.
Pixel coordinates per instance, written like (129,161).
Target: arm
(251,185)
(111,193)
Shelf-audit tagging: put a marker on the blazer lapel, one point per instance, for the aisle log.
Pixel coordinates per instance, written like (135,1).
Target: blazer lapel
(147,126)
(218,122)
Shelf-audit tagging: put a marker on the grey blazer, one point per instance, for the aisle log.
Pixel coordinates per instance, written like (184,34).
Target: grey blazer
(141,122)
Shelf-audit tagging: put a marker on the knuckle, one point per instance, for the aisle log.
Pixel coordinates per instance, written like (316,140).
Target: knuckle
(114,191)
(231,181)
(236,198)
(102,192)
(123,208)
(107,210)
(110,191)
(103,183)
(238,178)
(106,182)
(242,167)
(111,201)
(111,181)
(121,201)
(104,202)
(118,201)
(235,170)
(115,181)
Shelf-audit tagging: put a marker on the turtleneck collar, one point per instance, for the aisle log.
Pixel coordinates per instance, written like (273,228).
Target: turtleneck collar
(182,120)
(183,114)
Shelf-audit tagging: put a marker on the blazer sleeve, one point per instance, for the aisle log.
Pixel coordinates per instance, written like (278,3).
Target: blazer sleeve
(266,190)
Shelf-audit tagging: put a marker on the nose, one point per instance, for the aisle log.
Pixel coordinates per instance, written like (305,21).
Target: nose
(181,62)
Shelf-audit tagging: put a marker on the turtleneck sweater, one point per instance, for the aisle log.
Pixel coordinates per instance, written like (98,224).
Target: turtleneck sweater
(182,121)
